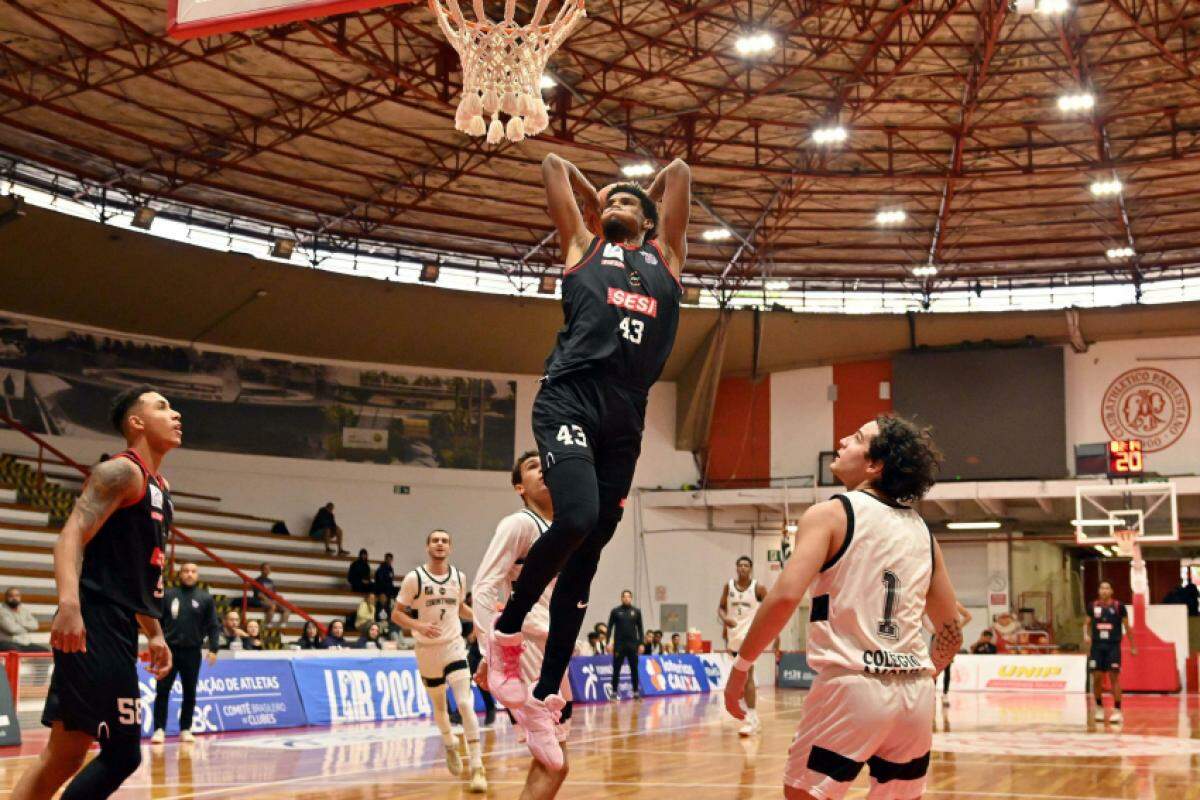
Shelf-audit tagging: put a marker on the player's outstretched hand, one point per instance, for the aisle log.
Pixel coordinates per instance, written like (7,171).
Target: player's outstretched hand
(735,688)
(160,658)
(67,632)
(481,676)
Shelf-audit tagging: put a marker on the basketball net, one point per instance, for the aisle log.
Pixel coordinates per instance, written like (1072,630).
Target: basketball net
(503,64)
(1139,582)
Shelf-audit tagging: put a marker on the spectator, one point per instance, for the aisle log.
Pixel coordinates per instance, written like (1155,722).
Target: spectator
(1007,627)
(266,602)
(383,614)
(676,645)
(647,647)
(385,578)
(334,639)
(984,646)
(16,623)
(189,618)
(325,528)
(231,631)
(594,646)
(1187,594)
(359,574)
(365,614)
(625,623)
(370,640)
(658,645)
(601,637)
(251,641)
(310,639)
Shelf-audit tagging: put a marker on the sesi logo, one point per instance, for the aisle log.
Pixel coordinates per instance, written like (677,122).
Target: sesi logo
(630,301)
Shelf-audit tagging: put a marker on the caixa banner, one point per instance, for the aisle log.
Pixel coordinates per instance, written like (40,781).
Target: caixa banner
(673,674)
(231,696)
(361,689)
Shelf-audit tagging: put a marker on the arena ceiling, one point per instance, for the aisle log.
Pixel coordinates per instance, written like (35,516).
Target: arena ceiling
(339,131)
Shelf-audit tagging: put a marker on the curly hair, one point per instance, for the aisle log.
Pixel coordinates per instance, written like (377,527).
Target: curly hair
(649,209)
(910,458)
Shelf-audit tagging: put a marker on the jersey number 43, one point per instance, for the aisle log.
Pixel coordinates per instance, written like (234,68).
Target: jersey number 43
(632,329)
(572,434)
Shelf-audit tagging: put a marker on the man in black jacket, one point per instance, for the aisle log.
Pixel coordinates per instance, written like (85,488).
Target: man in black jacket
(189,617)
(325,528)
(625,634)
(385,578)
(359,574)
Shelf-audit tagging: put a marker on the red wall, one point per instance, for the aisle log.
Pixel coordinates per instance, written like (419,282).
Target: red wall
(739,443)
(858,395)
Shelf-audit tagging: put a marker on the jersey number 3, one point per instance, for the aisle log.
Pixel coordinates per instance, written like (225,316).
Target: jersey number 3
(891,588)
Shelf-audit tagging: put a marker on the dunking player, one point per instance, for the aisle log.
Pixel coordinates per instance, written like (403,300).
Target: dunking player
(740,600)
(117,532)
(1107,619)
(434,592)
(621,297)
(875,572)
(501,565)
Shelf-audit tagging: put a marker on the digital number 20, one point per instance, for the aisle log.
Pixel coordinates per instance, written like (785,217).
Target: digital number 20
(891,588)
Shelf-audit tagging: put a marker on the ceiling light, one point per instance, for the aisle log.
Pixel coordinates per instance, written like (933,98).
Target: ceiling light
(282,248)
(1053,6)
(1083,101)
(548,284)
(144,217)
(1096,523)
(753,44)
(430,271)
(547,82)
(986,525)
(893,216)
(1103,188)
(717,234)
(639,170)
(927,271)
(792,527)
(777,286)
(835,134)
(1119,253)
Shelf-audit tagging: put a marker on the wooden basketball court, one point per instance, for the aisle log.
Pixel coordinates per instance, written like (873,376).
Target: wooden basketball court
(1038,747)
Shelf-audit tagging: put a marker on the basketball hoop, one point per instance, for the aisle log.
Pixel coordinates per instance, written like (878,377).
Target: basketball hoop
(503,64)
(1126,542)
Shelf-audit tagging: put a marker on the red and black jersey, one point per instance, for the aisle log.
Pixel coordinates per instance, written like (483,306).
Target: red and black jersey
(123,562)
(1106,619)
(620,314)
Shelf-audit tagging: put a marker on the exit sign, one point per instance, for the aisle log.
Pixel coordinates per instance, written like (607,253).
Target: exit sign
(775,555)
(398,489)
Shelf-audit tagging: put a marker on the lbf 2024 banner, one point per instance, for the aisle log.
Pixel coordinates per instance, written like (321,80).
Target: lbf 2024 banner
(59,381)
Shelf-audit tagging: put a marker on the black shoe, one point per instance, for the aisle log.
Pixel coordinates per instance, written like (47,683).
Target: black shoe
(489,719)
(455,718)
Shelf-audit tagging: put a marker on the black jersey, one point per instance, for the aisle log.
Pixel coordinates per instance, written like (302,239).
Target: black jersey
(123,562)
(1107,622)
(620,314)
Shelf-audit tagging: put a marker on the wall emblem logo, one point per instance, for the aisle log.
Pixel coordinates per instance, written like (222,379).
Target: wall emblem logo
(1149,404)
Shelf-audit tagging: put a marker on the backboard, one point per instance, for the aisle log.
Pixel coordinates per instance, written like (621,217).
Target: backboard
(1150,509)
(187,19)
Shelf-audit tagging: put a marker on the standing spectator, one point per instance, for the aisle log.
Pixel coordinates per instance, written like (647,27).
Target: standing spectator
(359,574)
(251,641)
(370,639)
(16,623)
(266,602)
(189,618)
(984,646)
(365,614)
(334,638)
(311,638)
(625,625)
(325,528)
(385,577)
(231,631)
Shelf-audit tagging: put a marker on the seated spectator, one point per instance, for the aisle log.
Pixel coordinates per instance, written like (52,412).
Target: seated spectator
(385,578)
(601,630)
(311,638)
(1007,627)
(265,602)
(676,645)
(383,614)
(984,646)
(594,648)
(365,614)
(658,645)
(231,631)
(359,574)
(648,643)
(334,638)
(370,640)
(325,528)
(251,640)
(17,622)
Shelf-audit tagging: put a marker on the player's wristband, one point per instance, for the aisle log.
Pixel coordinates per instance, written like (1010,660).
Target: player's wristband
(742,664)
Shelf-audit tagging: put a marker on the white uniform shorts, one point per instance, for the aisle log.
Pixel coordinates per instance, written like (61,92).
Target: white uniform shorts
(436,661)
(882,721)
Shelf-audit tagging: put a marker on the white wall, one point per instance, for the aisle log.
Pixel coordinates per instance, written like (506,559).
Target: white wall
(801,420)
(1089,376)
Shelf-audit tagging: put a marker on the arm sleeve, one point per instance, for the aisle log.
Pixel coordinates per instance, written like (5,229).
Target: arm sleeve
(408,590)
(491,580)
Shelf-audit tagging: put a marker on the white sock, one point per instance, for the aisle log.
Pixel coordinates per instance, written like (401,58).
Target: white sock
(441,713)
(460,684)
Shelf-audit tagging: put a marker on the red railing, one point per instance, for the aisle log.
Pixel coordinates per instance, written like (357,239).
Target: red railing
(248,583)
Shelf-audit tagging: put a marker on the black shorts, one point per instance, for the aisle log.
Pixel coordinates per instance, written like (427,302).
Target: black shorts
(588,416)
(1105,658)
(97,692)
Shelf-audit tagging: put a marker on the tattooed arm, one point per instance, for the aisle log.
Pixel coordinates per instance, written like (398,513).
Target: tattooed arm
(111,484)
(942,607)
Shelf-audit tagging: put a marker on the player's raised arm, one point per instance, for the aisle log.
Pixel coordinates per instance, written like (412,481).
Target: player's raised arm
(672,189)
(563,182)
(941,606)
(111,484)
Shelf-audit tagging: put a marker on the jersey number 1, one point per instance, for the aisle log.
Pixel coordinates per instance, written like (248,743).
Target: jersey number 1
(891,588)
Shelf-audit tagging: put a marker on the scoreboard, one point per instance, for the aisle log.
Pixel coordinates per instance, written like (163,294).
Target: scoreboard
(1125,457)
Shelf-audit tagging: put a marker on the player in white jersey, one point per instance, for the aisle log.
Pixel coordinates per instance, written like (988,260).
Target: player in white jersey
(739,601)
(875,572)
(501,565)
(430,604)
